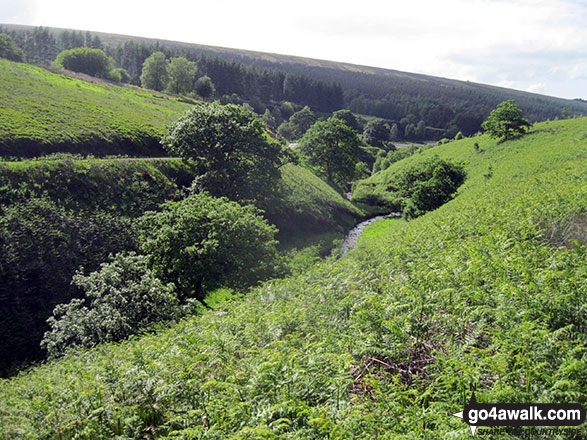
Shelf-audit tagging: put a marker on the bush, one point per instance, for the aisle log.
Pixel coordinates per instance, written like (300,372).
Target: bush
(428,184)
(92,62)
(121,299)
(202,242)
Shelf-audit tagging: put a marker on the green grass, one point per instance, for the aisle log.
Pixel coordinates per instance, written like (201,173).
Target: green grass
(309,206)
(487,291)
(43,112)
(122,186)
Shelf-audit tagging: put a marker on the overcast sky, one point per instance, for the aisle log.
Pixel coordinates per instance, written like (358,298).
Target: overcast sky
(533,45)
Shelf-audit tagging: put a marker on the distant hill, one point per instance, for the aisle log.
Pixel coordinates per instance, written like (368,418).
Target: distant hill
(402,98)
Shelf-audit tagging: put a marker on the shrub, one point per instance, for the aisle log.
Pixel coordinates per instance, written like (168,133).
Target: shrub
(428,184)
(92,62)
(202,242)
(121,299)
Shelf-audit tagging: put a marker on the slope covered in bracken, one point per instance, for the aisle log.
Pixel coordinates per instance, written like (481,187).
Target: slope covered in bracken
(486,292)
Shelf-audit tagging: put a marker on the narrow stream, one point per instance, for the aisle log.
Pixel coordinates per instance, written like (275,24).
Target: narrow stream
(350,241)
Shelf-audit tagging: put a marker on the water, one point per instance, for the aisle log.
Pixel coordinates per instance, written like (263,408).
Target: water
(350,240)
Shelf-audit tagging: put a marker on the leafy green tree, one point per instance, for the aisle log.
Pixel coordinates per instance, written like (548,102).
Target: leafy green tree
(506,121)
(301,121)
(285,131)
(92,62)
(421,130)
(269,119)
(230,150)
(333,147)
(202,242)
(9,49)
(155,74)
(123,74)
(376,133)
(205,87)
(122,298)
(181,75)
(348,117)
(394,133)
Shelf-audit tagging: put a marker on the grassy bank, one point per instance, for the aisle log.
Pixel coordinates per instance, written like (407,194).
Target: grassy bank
(43,112)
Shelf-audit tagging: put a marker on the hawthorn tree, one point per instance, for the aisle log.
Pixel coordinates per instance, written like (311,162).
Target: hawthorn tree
(506,121)
(122,298)
(205,87)
(230,150)
(333,147)
(301,121)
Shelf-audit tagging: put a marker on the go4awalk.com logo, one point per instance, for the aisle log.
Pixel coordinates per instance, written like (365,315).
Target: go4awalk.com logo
(521,414)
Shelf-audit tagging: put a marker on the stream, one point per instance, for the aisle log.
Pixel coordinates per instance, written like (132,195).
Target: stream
(350,241)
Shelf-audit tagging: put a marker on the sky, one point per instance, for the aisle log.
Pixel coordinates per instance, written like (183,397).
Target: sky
(532,45)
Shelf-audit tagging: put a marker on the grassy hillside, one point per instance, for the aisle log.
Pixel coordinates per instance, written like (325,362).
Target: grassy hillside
(43,112)
(487,292)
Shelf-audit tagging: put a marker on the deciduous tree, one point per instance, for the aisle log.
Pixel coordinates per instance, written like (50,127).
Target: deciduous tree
(229,148)
(506,121)
(333,147)
(181,75)
(155,74)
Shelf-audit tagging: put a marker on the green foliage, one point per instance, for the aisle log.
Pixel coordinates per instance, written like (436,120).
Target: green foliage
(333,147)
(421,185)
(285,131)
(230,150)
(93,62)
(202,242)
(122,74)
(9,50)
(204,87)
(122,298)
(181,75)
(155,72)
(301,121)
(376,133)
(120,186)
(427,185)
(348,117)
(41,246)
(42,112)
(384,343)
(506,121)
